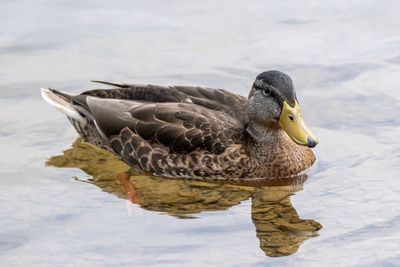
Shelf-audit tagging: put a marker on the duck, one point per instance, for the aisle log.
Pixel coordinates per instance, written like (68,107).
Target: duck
(196,132)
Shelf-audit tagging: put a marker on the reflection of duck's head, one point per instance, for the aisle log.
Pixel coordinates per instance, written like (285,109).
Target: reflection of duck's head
(278,227)
(272,104)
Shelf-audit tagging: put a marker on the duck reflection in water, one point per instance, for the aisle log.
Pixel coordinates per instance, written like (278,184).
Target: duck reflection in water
(279,228)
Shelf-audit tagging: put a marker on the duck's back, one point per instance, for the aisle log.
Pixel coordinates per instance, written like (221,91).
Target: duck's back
(215,99)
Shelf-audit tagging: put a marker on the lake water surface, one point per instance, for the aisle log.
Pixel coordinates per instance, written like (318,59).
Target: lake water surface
(60,204)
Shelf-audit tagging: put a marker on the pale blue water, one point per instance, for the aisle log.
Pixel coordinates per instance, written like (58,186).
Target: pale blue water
(344,57)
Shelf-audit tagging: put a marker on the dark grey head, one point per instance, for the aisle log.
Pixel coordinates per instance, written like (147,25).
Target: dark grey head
(269,91)
(276,83)
(273,103)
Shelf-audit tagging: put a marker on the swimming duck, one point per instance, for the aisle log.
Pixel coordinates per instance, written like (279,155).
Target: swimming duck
(196,132)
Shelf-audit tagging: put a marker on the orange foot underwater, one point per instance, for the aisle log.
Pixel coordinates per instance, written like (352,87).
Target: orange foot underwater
(128,187)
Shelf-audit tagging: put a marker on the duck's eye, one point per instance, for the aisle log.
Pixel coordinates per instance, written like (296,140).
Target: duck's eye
(267,91)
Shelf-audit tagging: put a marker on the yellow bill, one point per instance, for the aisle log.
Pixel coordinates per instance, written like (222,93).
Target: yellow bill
(292,123)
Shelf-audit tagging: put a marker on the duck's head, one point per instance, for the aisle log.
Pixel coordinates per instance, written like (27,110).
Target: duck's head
(273,103)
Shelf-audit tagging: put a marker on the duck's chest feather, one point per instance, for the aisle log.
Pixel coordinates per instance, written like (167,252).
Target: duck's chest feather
(279,157)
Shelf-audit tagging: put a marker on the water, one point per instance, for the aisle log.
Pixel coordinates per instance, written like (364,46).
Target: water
(344,58)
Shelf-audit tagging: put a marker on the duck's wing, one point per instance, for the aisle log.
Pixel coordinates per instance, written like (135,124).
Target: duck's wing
(182,127)
(214,99)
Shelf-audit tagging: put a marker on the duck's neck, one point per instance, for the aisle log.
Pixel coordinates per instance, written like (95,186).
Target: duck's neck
(266,136)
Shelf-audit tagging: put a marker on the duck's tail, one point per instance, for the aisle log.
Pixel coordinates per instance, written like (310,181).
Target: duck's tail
(61,101)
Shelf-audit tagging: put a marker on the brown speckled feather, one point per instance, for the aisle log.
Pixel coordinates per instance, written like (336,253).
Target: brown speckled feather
(159,160)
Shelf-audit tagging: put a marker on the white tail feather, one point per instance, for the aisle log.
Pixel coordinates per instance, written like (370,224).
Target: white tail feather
(60,104)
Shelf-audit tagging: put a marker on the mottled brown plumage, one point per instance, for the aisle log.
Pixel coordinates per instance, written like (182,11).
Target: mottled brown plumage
(189,132)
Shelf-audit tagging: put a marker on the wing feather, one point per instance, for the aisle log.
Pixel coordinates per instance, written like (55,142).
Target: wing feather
(181,127)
